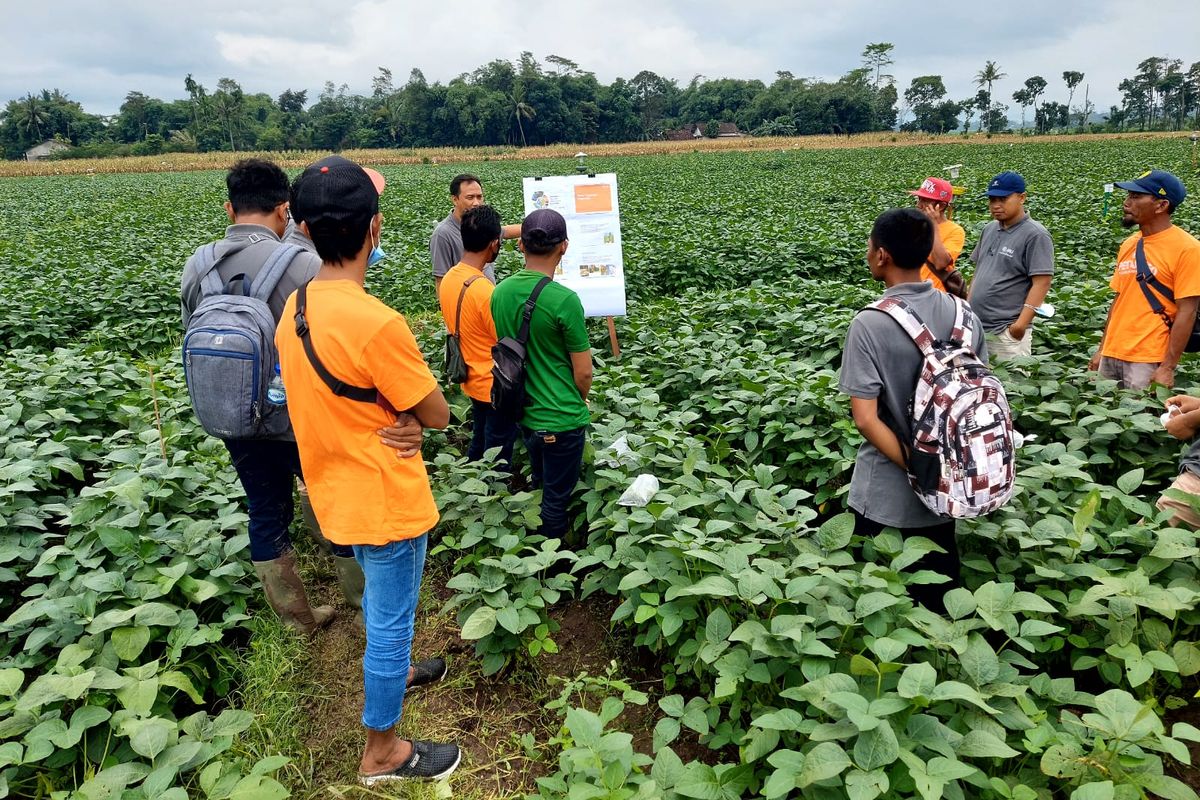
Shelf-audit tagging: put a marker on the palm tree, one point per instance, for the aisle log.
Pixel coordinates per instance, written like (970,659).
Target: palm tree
(986,77)
(521,109)
(31,116)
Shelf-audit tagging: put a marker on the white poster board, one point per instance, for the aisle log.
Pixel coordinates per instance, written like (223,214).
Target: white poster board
(593,266)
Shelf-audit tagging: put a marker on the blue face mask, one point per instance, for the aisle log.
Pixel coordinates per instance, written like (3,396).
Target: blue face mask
(376,256)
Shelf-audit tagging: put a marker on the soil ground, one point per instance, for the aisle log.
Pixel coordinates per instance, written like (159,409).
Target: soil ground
(500,721)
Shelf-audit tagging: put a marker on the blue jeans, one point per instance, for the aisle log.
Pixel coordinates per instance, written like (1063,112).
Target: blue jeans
(393,583)
(489,430)
(267,469)
(555,459)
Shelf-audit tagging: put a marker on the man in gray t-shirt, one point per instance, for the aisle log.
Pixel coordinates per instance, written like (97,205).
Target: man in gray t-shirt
(445,245)
(880,368)
(1014,261)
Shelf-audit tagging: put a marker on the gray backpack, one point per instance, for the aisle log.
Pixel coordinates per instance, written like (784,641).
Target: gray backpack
(229,351)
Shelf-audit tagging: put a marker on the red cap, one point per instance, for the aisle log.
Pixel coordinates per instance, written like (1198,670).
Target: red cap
(935,189)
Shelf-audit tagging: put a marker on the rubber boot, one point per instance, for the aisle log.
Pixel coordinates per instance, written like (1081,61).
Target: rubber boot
(285,593)
(351,579)
(310,519)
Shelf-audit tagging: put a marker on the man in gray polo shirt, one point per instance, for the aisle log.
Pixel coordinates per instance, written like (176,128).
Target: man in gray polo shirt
(445,246)
(1014,261)
(880,368)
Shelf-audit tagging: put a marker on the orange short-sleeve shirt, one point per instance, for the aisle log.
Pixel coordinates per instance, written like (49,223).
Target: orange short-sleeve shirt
(1135,333)
(954,238)
(361,490)
(477,331)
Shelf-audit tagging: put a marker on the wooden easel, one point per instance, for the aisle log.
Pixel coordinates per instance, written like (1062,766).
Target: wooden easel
(612,338)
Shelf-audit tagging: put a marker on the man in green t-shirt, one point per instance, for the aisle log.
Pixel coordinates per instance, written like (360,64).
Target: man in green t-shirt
(558,365)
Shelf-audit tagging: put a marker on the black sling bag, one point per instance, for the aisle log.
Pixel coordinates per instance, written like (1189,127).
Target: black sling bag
(1147,282)
(508,364)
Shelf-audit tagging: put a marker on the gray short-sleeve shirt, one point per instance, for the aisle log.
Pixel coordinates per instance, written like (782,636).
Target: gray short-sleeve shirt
(293,235)
(1006,259)
(881,361)
(446,248)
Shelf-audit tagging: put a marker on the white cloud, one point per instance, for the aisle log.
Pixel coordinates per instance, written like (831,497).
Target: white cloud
(97,52)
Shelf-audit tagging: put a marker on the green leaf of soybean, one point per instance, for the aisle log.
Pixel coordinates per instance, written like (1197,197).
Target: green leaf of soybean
(128,643)
(1130,481)
(481,623)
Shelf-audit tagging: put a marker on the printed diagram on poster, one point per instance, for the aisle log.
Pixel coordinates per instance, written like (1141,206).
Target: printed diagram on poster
(593,266)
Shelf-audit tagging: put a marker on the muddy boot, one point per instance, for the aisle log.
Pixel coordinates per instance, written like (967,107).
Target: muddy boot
(285,594)
(351,579)
(310,519)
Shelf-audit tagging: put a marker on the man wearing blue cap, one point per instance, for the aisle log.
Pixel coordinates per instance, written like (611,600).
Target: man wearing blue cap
(1157,281)
(1014,262)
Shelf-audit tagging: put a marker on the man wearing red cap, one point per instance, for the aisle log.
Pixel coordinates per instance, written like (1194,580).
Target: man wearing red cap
(933,199)
(1157,281)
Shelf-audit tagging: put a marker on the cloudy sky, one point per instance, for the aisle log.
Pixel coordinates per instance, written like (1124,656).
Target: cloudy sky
(97,52)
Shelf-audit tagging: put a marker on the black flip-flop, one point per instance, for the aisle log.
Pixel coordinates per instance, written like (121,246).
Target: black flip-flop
(431,670)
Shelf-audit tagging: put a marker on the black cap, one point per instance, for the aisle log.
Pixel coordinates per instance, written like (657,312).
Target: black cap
(544,227)
(337,189)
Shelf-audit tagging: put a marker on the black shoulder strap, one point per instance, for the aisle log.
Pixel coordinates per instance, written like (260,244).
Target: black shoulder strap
(1147,279)
(458,310)
(339,387)
(523,334)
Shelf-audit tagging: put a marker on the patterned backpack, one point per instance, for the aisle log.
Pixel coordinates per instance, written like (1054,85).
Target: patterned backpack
(961,461)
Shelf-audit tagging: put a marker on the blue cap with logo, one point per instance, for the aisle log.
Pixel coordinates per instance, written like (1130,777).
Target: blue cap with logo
(1006,183)
(1162,185)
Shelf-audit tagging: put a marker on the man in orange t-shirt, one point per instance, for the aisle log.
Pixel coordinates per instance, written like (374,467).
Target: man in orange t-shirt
(465,294)
(1141,343)
(933,198)
(349,364)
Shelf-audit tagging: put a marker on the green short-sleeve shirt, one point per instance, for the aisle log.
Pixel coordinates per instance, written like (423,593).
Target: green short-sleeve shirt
(556,330)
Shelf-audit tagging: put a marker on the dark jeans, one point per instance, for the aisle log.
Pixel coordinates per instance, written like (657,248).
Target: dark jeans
(947,563)
(490,430)
(267,469)
(555,460)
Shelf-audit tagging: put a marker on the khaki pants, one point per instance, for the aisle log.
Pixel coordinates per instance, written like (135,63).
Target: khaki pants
(1003,347)
(1127,374)
(1185,516)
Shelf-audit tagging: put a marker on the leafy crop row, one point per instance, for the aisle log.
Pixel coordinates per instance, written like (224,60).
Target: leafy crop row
(787,646)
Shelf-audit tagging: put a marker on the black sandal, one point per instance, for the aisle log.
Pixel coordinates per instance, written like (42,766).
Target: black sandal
(431,670)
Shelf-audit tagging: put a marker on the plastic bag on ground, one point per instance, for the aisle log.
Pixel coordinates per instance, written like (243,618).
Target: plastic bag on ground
(640,492)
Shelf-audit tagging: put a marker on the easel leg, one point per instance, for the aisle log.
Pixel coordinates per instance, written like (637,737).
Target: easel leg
(612,338)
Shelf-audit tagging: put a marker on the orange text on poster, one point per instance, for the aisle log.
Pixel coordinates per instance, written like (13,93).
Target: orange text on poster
(594,198)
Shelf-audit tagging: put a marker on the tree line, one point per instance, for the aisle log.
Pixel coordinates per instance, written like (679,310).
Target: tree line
(527,102)
(1159,96)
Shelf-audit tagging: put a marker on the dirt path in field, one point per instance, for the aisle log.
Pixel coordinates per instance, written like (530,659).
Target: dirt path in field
(500,721)
(189,162)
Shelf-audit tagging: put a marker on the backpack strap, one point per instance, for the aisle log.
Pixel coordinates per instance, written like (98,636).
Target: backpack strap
(523,334)
(210,280)
(272,272)
(458,310)
(1147,279)
(964,323)
(339,387)
(910,321)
